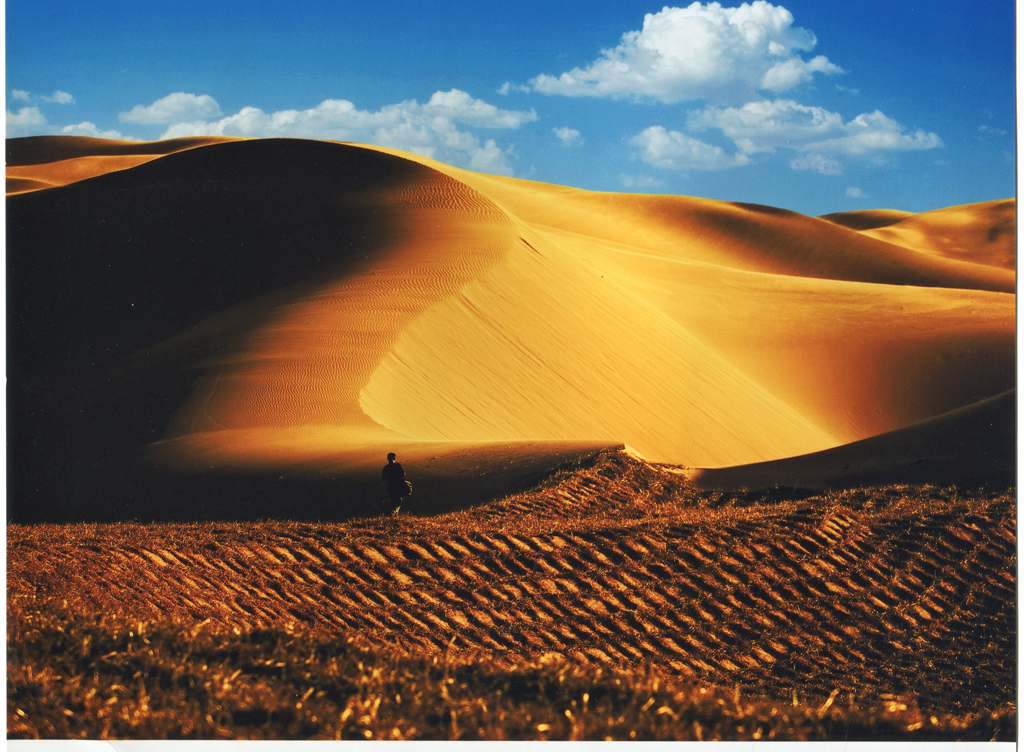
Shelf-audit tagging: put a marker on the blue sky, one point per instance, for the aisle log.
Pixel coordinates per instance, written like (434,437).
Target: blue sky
(811,106)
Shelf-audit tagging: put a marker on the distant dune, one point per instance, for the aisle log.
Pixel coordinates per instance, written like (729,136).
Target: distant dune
(228,312)
(867,219)
(983,233)
(980,233)
(39,162)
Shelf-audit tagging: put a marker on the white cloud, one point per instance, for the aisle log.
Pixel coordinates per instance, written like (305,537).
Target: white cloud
(765,125)
(489,158)
(873,132)
(993,131)
(568,136)
(793,72)
(672,150)
(89,129)
(817,162)
(821,135)
(59,97)
(173,108)
(640,181)
(508,86)
(855,192)
(27,121)
(699,52)
(427,129)
(458,105)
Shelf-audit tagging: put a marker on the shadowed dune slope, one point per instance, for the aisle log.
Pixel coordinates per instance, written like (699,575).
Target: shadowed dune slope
(294,309)
(967,446)
(867,219)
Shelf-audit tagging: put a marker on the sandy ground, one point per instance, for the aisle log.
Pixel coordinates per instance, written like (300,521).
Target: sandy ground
(301,307)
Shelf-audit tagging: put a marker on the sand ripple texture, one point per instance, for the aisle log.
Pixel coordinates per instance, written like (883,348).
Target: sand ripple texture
(618,564)
(205,302)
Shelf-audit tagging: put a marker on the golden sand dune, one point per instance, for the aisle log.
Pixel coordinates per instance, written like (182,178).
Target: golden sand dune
(980,233)
(52,174)
(40,162)
(40,150)
(749,237)
(298,307)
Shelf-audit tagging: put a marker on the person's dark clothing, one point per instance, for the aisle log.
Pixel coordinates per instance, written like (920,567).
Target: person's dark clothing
(394,476)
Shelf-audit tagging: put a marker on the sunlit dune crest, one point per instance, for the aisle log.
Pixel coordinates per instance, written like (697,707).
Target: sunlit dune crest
(52,174)
(983,233)
(40,162)
(286,304)
(39,150)
(980,233)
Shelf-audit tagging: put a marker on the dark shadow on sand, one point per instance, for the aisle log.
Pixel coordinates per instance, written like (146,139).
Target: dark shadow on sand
(101,271)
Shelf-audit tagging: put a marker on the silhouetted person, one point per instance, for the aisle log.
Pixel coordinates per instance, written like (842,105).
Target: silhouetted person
(394,476)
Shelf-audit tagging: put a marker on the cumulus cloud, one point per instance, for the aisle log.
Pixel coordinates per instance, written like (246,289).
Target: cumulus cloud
(699,52)
(29,121)
(428,129)
(86,128)
(855,192)
(639,181)
(993,131)
(821,135)
(765,125)
(458,105)
(817,162)
(25,122)
(568,136)
(791,73)
(872,133)
(508,86)
(59,97)
(173,108)
(672,150)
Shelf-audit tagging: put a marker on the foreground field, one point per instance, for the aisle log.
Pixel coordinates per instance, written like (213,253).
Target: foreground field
(614,600)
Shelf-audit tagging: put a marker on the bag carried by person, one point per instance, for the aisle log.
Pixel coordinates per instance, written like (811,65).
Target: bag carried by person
(406,489)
